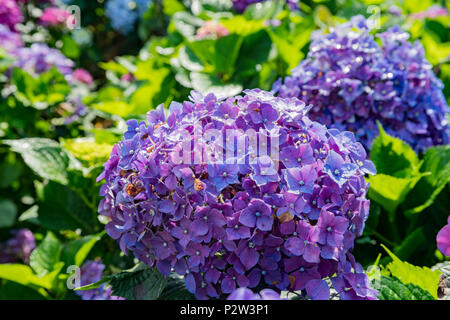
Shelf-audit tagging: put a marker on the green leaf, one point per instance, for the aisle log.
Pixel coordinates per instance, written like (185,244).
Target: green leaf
(205,84)
(410,244)
(46,256)
(189,60)
(118,107)
(394,289)
(43,156)
(255,50)
(423,277)
(75,252)
(8,213)
(390,191)
(392,156)
(14,291)
(94,285)
(48,89)
(60,208)
(138,283)
(70,47)
(437,162)
(263,10)
(10,170)
(226,53)
(176,289)
(24,275)
(186,24)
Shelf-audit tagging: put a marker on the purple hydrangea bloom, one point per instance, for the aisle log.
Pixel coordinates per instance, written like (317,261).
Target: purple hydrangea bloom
(39,58)
(9,40)
(443,239)
(10,14)
(247,294)
(241,5)
(240,218)
(91,272)
(18,248)
(352,82)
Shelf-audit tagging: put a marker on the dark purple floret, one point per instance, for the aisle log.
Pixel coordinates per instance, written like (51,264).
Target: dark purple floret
(353,82)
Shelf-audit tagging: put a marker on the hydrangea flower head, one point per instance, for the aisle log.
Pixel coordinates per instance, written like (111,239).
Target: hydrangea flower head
(91,272)
(353,82)
(54,16)
(18,248)
(443,239)
(10,14)
(124,14)
(9,40)
(238,192)
(39,58)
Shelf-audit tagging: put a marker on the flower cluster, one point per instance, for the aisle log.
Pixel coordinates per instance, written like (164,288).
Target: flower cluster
(124,14)
(247,294)
(39,58)
(353,82)
(217,209)
(18,248)
(9,40)
(211,29)
(82,76)
(91,272)
(241,5)
(443,239)
(54,16)
(10,14)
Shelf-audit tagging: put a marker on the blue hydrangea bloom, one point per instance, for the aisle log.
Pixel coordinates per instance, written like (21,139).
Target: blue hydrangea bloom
(352,82)
(124,14)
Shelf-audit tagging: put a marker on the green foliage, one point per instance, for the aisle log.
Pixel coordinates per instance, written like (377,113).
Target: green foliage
(45,258)
(8,213)
(39,92)
(394,289)
(61,208)
(44,156)
(407,273)
(175,289)
(139,283)
(76,251)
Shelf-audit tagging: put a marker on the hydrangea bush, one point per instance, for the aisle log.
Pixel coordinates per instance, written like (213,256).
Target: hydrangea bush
(218,209)
(353,82)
